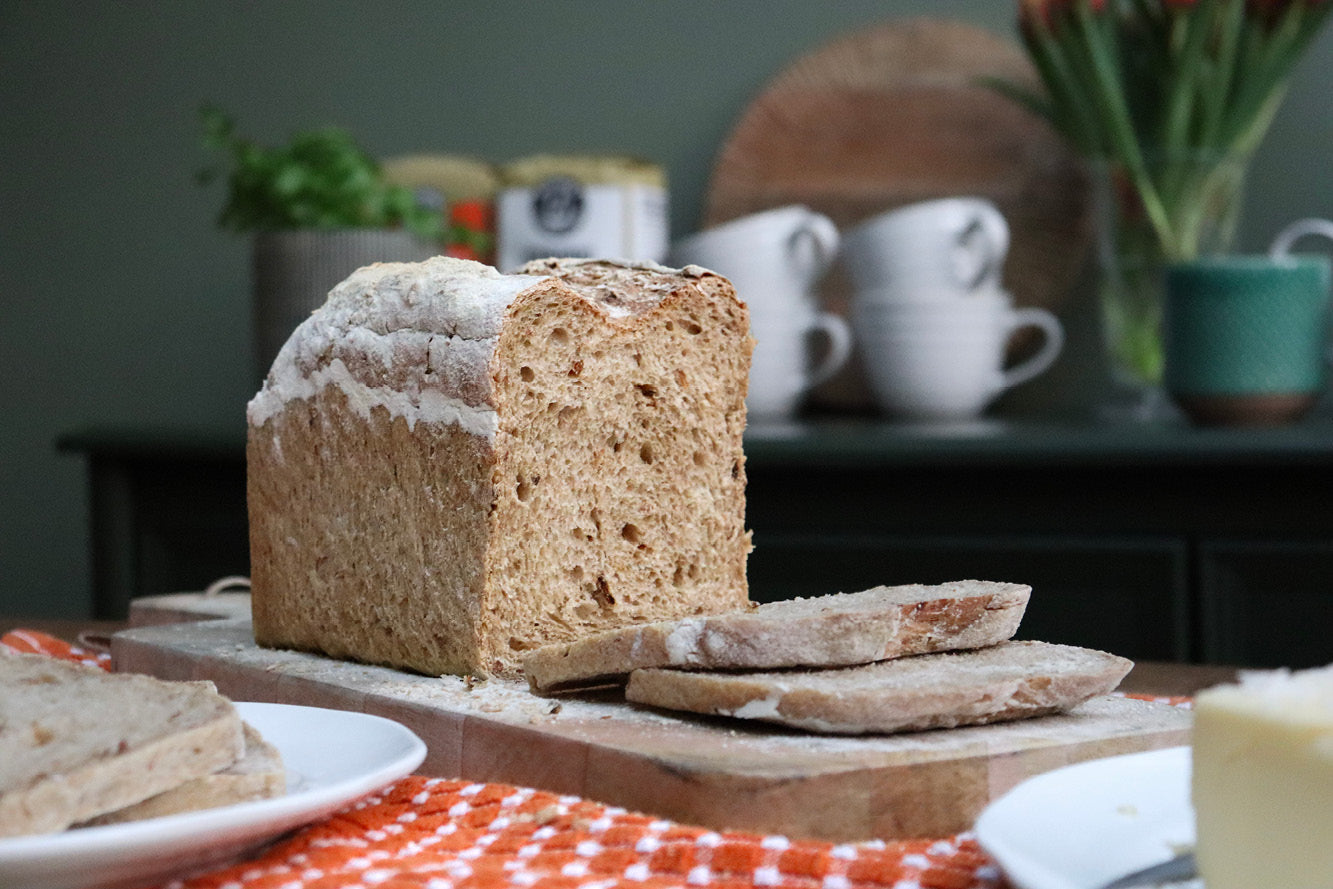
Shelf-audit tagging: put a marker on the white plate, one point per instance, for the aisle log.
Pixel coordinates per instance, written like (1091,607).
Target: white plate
(332,757)
(1084,825)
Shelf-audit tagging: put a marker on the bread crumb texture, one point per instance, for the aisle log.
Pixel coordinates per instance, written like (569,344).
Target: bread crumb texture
(449,467)
(76,741)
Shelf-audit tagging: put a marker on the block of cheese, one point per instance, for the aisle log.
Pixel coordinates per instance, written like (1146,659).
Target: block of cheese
(1262,782)
(1013,680)
(837,630)
(449,467)
(77,741)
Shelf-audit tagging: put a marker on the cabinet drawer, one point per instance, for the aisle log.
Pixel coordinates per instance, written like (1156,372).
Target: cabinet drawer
(1267,604)
(1124,596)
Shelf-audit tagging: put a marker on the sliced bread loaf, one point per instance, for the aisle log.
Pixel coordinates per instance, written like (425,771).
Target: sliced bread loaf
(77,741)
(448,467)
(827,631)
(258,774)
(1013,680)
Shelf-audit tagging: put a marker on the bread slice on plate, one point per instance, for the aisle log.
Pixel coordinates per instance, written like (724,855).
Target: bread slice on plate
(76,741)
(825,631)
(1014,680)
(258,774)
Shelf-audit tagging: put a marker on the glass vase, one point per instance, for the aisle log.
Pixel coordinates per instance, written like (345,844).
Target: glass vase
(1171,209)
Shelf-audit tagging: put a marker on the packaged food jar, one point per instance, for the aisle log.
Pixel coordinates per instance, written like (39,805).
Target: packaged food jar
(460,188)
(610,207)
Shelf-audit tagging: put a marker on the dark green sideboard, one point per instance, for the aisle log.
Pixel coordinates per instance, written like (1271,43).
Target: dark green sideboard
(1161,543)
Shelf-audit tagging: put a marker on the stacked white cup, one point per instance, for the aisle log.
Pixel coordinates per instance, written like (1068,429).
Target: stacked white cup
(775,258)
(931,315)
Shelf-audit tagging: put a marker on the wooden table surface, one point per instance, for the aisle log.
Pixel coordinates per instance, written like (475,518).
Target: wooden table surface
(1147,677)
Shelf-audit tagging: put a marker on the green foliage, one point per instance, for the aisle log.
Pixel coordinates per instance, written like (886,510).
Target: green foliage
(1136,82)
(320,180)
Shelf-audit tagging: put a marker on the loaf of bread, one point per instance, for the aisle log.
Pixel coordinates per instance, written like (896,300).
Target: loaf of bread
(837,630)
(449,467)
(1262,781)
(1013,680)
(259,774)
(77,741)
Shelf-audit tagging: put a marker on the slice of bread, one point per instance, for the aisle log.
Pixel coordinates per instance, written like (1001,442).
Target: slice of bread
(838,630)
(77,741)
(257,775)
(1014,680)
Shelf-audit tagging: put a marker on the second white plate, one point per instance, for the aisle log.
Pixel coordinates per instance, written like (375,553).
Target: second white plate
(1084,825)
(332,757)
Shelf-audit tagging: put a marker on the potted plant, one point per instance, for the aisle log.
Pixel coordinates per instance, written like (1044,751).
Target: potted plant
(317,208)
(1167,99)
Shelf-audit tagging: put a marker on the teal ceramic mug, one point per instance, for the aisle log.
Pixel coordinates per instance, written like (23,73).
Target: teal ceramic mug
(1247,337)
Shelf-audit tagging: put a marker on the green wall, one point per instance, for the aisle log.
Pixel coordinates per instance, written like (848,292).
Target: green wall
(122,303)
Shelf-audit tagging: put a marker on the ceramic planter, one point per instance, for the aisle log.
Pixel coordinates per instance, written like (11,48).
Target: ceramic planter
(293,272)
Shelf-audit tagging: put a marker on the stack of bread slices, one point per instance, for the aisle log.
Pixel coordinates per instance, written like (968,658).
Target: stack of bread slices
(81,746)
(888,659)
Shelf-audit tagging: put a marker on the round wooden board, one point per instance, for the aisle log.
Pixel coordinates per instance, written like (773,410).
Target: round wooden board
(900,113)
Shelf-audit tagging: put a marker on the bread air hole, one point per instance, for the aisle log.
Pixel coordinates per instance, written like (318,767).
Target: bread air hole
(523,489)
(559,336)
(646,390)
(632,533)
(527,373)
(700,458)
(601,593)
(646,453)
(693,327)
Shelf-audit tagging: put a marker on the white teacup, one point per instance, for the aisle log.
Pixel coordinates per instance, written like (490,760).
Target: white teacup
(774,259)
(781,371)
(944,361)
(940,249)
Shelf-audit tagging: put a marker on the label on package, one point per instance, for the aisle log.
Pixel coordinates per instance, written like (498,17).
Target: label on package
(563,217)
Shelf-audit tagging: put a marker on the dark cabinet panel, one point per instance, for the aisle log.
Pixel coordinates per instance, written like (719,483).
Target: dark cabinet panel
(1128,596)
(164,523)
(1267,603)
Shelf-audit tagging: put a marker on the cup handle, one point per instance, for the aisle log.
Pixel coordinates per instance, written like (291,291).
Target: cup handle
(839,335)
(986,235)
(1046,355)
(1288,237)
(813,246)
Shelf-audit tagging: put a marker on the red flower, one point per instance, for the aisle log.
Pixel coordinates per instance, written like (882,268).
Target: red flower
(1048,12)
(462,251)
(472,215)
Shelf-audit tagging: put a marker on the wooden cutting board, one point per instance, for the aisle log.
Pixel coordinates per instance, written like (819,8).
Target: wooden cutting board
(899,113)
(723,774)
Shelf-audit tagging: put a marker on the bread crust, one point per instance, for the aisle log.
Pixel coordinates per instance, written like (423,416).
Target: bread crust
(1013,680)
